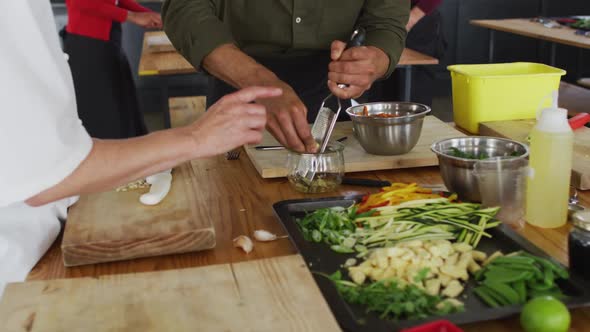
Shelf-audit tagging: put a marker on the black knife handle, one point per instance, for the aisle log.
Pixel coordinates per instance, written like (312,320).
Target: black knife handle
(365,182)
(356,39)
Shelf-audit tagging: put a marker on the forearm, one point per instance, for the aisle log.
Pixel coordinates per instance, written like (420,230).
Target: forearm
(115,162)
(230,64)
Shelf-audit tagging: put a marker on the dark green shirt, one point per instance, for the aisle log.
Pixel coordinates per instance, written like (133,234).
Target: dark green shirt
(283,27)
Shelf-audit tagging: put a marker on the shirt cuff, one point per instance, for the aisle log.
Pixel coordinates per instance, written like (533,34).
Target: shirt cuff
(390,43)
(120,15)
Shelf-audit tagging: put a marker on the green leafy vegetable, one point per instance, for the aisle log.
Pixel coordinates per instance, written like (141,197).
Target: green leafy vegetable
(436,219)
(582,24)
(518,277)
(391,300)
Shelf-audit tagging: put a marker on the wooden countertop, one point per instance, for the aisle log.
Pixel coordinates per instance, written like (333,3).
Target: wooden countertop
(524,27)
(164,60)
(241,201)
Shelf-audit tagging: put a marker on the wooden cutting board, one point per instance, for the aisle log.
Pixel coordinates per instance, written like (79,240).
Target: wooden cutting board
(277,294)
(114,225)
(272,164)
(519,130)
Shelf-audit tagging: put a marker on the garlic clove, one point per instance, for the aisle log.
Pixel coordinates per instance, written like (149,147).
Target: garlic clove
(244,242)
(264,236)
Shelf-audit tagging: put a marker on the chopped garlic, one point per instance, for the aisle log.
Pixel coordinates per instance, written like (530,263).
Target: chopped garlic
(244,242)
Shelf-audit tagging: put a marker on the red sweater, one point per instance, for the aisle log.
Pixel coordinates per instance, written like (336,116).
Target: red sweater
(93,18)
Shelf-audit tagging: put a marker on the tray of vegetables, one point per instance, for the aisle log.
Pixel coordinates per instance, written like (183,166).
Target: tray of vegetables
(407,255)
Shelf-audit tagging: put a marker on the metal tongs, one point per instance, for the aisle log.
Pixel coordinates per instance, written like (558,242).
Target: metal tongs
(326,119)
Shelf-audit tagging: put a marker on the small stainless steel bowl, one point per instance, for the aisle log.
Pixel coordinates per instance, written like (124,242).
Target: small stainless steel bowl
(573,208)
(388,136)
(457,173)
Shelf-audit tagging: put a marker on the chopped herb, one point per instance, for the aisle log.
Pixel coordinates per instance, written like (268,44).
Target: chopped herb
(392,300)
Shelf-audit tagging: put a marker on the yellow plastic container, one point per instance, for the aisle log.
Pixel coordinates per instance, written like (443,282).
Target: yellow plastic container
(500,91)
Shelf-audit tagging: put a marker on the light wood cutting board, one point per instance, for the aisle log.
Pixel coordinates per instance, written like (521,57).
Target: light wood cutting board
(519,130)
(277,294)
(272,164)
(114,225)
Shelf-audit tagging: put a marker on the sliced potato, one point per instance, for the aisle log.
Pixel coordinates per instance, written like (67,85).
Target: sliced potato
(479,256)
(465,259)
(433,286)
(473,267)
(445,279)
(462,247)
(453,289)
(452,259)
(396,251)
(357,276)
(492,257)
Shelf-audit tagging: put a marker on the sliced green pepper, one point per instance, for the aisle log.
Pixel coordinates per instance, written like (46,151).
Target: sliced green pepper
(503,290)
(483,294)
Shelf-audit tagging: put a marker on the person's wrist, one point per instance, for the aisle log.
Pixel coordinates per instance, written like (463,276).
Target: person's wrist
(382,62)
(186,141)
(131,16)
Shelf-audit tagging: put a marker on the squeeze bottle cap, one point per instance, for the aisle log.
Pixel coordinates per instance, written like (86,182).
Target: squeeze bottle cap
(553,119)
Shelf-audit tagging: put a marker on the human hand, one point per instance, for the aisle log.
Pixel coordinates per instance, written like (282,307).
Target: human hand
(358,67)
(287,120)
(148,20)
(231,122)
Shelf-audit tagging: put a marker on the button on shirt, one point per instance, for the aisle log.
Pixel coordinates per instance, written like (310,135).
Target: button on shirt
(41,138)
(283,27)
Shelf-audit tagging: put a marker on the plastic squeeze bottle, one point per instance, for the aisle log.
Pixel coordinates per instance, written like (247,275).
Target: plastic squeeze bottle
(551,149)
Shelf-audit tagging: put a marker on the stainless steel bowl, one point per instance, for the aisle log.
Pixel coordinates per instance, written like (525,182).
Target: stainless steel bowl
(457,173)
(388,136)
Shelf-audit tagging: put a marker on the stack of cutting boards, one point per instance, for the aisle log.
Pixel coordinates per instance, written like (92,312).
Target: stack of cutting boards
(272,164)
(113,225)
(277,294)
(519,130)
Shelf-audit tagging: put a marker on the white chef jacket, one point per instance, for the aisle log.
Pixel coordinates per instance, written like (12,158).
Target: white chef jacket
(42,140)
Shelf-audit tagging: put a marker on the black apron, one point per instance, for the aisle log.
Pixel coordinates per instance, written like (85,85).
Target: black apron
(105,91)
(307,75)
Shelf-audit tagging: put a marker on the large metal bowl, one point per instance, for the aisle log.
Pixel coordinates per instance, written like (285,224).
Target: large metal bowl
(388,136)
(457,173)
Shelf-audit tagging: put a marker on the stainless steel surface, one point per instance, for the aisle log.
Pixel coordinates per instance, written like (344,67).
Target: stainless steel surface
(457,173)
(388,136)
(232,155)
(581,219)
(573,196)
(321,131)
(280,147)
(573,208)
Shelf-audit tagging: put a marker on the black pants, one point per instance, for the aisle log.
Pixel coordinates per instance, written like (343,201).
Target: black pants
(425,37)
(105,91)
(307,75)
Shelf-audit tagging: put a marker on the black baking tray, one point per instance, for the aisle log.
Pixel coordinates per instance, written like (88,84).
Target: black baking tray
(320,258)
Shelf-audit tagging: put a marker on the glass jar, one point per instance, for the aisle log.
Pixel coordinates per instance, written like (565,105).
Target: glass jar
(316,172)
(579,244)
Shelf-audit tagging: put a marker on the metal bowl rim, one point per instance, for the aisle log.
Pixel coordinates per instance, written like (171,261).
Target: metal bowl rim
(438,153)
(404,117)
